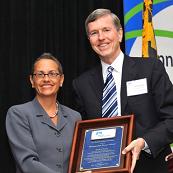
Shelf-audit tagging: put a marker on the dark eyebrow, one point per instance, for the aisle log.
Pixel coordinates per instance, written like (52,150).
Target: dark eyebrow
(39,72)
(56,71)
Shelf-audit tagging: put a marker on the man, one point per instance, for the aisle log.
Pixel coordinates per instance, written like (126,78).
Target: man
(142,87)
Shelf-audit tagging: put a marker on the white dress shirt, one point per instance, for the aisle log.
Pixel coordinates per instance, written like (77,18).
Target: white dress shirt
(117,74)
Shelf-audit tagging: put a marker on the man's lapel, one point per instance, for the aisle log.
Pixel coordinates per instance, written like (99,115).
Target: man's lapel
(97,83)
(128,74)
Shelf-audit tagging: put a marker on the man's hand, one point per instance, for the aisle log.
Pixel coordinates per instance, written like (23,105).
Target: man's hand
(169,157)
(135,147)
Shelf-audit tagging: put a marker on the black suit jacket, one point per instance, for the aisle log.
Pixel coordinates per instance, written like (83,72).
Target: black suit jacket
(153,111)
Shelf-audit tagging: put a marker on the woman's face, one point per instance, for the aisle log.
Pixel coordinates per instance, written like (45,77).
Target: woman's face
(46,78)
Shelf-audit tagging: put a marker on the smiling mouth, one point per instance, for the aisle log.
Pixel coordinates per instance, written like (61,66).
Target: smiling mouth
(103,46)
(47,86)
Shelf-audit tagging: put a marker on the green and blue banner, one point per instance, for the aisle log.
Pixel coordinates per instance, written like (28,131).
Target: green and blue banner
(162,15)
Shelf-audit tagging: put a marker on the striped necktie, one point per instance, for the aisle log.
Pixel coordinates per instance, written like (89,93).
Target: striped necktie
(109,100)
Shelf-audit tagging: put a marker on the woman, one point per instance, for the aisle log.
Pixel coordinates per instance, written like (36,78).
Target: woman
(40,132)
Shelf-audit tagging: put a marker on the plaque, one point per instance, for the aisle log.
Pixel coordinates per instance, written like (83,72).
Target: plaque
(98,144)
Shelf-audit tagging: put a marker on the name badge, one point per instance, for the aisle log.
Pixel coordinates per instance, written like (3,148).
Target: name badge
(137,87)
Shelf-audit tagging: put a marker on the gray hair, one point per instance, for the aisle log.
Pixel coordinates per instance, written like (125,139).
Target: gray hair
(96,14)
(48,56)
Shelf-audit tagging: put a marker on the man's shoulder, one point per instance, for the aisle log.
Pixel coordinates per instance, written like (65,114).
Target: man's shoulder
(145,61)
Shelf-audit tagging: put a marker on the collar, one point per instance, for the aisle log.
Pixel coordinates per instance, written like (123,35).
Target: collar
(117,64)
(39,111)
(44,118)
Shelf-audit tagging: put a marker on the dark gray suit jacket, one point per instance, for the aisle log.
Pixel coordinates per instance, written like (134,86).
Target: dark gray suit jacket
(37,144)
(153,111)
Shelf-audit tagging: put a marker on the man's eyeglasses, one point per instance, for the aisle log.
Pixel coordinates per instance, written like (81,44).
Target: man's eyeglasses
(51,75)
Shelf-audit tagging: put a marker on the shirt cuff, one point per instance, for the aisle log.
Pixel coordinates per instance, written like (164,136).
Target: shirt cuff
(146,148)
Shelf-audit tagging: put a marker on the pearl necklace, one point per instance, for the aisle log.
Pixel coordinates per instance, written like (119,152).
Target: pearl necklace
(56,112)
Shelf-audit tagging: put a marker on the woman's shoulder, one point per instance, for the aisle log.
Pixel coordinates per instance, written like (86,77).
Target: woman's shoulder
(21,107)
(67,111)
(18,112)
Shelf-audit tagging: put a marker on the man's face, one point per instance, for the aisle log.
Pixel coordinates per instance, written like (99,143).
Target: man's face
(104,38)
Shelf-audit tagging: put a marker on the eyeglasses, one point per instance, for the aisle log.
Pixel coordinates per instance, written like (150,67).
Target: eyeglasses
(51,75)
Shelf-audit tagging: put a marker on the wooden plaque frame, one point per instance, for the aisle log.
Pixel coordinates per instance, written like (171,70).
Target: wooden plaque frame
(78,140)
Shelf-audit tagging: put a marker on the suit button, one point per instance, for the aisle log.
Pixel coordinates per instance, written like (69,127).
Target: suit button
(59,149)
(59,165)
(57,134)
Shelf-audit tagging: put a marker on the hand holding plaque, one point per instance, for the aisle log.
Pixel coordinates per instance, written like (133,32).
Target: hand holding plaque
(135,148)
(98,145)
